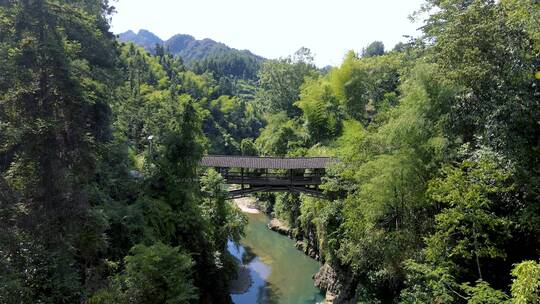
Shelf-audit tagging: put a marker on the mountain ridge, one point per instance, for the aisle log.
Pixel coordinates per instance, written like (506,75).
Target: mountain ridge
(201,55)
(183,45)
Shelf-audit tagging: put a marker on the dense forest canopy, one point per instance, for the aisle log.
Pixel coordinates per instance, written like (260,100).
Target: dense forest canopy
(436,198)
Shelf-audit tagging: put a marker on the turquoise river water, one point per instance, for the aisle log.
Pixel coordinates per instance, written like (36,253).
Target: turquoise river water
(280,273)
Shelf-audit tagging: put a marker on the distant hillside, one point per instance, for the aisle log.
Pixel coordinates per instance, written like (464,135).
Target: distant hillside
(144,38)
(201,55)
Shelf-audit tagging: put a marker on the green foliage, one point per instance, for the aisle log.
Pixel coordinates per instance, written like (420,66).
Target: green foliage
(321,221)
(227,121)
(280,81)
(99,150)
(426,284)
(526,283)
(248,147)
(154,274)
(241,65)
(433,201)
(360,85)
(404,116)
(436,285)
(58,67)
(523,14)
(170,139)
(467,227)
(396,120)
(158,274)
(201,56)
(279,136)
(482,293)
(376,48)
(388,168)
(227,219)
(287,208)
(482,46)
(321,114)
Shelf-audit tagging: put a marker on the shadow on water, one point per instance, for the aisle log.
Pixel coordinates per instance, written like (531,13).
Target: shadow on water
(248,256)
(269,294)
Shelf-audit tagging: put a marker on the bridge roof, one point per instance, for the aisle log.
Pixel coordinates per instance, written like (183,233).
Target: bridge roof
(254,162)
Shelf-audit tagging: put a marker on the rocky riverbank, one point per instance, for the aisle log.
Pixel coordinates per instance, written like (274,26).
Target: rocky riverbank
(247,205)
(333,280)
(327,279)
(278,271)
(279,227)
(337,283)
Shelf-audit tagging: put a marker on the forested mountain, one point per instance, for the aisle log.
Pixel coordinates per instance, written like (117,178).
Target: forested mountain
(202,55)
(435,199)
(145,39)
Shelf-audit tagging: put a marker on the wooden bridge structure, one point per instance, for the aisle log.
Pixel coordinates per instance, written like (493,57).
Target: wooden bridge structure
(270,174)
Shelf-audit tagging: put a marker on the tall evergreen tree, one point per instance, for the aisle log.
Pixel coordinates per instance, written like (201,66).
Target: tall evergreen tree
(58,60)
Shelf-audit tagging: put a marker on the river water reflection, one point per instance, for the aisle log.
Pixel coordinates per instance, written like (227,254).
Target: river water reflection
(280,273)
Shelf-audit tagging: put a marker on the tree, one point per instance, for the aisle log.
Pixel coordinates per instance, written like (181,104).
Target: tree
(467,226)
(376,48)
(467,229)
(526,283)
(280,81)
(278,137)
(321,112)
(248,147)
(482,47)
(58,78)
(153,274)
(384,177)
(227,220)
(227,121)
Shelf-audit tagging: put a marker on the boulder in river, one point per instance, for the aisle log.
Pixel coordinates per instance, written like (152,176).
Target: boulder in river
(279,227)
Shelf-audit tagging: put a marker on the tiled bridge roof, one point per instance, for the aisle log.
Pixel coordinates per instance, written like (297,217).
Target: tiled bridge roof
(254,162)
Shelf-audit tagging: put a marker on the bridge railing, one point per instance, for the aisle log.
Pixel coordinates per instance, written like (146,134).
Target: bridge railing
(263,174)
(272,179)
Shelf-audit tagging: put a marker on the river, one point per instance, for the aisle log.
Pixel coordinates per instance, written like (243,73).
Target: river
(280,273)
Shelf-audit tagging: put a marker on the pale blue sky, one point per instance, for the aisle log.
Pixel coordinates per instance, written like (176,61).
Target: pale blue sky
(275,28)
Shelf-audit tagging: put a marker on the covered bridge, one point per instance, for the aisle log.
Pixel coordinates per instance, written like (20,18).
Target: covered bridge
(270,174)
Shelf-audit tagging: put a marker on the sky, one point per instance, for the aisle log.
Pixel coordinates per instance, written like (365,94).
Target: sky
(275,28)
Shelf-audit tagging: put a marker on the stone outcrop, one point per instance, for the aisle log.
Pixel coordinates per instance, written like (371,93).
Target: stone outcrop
(337,283)
(304,244)
(334,280)
(307,249)
(279,227)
